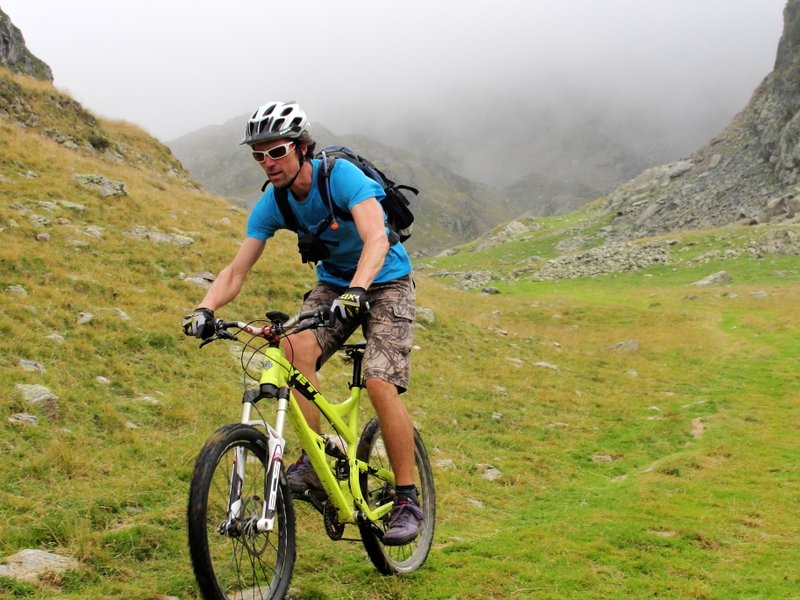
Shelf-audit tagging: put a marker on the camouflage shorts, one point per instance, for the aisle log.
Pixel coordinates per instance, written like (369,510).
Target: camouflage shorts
(387,329)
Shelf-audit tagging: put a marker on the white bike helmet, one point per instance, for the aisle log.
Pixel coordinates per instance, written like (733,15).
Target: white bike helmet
(274,121)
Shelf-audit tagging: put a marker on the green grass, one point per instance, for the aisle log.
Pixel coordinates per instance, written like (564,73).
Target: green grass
(666,468)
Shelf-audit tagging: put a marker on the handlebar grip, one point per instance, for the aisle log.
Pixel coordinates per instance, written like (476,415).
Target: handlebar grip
(321,316)
(309,314)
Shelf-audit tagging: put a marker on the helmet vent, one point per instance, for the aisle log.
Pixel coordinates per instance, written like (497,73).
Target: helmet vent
(275,120)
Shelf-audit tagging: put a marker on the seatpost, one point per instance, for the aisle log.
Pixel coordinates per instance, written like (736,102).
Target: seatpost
(358,357)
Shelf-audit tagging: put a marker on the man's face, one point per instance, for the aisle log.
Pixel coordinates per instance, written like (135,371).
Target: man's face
(279,170)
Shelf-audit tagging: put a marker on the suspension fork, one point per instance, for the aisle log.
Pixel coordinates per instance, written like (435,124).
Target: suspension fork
(274,461)
(236,486)
(275,457)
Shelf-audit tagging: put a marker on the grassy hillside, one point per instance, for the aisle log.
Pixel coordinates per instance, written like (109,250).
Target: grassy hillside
(642,431)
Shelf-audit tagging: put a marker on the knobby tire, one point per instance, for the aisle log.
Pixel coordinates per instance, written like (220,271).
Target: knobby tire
(391,560)
(238,566)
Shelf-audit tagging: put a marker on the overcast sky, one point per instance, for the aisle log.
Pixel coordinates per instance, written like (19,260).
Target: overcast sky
(174,66)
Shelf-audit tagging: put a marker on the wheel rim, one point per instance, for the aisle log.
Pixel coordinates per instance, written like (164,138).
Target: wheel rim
(244,561)
(409,556)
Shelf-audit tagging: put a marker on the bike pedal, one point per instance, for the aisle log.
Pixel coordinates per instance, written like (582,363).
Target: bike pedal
(315,498)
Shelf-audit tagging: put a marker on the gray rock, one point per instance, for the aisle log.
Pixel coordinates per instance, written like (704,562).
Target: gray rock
(488,472)
(40,396)
(425,315)
(719,278)
(546,365)
(31,565)
(148,400)
(679,168)
(31,365)
(610,258)
(17,290)
(94,231)
(626,346)
(23,419)
(118,312)
(203,280)
(102,185)
(467,280)
(779,241)
(40,220)
(505,234)
(71,205)
(153,234)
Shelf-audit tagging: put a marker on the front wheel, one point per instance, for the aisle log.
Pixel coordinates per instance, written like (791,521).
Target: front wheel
(391,560)
(231,559)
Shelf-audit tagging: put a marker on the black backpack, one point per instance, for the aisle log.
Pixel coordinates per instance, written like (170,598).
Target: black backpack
(395,204)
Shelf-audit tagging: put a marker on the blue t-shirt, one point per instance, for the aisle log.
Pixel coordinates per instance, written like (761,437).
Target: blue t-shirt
(349,186)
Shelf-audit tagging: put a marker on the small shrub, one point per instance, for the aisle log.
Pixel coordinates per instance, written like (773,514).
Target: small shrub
(98,142)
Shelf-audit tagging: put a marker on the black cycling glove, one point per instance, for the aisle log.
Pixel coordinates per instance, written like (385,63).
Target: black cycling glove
(200,323)
(351,305)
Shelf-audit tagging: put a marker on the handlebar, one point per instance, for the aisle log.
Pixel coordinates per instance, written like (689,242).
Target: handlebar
(322,317)
(280,325)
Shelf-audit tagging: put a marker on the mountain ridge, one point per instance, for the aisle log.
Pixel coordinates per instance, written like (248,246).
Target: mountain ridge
(748,174)
(450,210)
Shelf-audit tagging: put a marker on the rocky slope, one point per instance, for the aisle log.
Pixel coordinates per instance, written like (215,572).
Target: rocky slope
(14,54)
(746,175)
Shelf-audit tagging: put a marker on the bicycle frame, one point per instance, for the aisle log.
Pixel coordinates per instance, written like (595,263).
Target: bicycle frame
(345,495)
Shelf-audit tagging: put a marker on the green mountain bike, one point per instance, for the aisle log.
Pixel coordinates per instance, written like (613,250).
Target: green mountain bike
(241,518)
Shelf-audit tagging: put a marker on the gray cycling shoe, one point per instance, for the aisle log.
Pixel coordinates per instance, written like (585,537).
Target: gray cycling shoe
(302,477)
(404,523)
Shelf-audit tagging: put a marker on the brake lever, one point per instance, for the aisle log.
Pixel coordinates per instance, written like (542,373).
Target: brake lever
(325,316)
(221,334)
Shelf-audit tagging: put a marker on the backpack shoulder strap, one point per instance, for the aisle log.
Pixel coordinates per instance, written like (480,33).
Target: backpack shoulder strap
(282,199)
(400,186)
(324,185)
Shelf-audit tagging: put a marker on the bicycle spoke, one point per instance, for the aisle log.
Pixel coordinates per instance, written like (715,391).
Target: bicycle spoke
(231,558)
(395,559)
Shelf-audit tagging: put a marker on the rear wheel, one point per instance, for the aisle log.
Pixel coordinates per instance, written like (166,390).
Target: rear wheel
(231,559)
(390,560)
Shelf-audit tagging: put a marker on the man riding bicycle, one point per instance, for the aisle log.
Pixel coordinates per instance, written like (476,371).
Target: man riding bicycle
(364,279)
